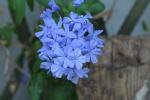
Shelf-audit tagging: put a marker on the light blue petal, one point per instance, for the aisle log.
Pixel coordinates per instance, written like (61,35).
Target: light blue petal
(53,5)
(77,26)
(98,32)
(93,59)
(82,73)
(60,22)
(66,20)
(73,15)
(39,34)
(75,79)
(55,68)
(59,52)
(45,65)
(70,75)
(77,52)
(66,62)
(78,65)
(82,59)
(59,73)
(78,2)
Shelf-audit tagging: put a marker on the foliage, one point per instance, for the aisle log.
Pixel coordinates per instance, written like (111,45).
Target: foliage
(36,85)
(18,6)
(43,2)
(6,34)
(44,86)
(41,85)
(144,26)
(93,6)
(30,4)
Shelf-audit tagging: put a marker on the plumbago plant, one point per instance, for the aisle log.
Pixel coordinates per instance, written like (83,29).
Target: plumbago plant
(68,44)
(68,41)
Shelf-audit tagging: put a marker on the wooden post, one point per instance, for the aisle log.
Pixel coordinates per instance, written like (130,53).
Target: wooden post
(121,72)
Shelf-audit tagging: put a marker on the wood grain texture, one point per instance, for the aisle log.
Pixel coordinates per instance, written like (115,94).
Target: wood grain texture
(120,72)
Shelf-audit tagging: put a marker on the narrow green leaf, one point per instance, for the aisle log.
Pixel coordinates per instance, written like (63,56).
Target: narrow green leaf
(36,67)
(92,6)
(61,94)
(30,4)
(97,8)
(59,89)
(6,34)
(144,26)
(37,45)
(43,2)
(36,85)
(18,6)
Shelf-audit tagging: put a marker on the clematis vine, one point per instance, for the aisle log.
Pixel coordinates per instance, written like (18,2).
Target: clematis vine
(68,44)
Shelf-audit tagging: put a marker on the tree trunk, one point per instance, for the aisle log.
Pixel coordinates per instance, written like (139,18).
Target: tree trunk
(122,72)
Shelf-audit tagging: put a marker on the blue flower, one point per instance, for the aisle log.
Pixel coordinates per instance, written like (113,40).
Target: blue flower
(94,35)
(75,75)
(57,69)
(92,51)
(77,22)
(53,5)
(77,59)
(47,18)
(68,43)
(46,14)
(61,55)
(46,65)
(78,2)
(68,33)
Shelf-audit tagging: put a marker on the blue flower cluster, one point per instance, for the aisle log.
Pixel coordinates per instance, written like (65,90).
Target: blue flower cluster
(68,44)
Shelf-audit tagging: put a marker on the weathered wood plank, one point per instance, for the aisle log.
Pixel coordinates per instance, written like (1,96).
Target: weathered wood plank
(121,70)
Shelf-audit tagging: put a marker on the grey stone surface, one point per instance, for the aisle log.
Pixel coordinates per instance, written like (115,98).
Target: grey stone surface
(33,16)
(5,17)
(120,12)
(21,93)
(138,30)
(15,48)
(7,61)
(3,77)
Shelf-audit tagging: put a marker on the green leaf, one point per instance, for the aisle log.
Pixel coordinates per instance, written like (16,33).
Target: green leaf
(43,2)
(18,7)
(144,26)
(30,4)
(36,85)
(92,6)
(6,34)
(37,45)
(61,94)
(97,8)
(36,67)
(59,89)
